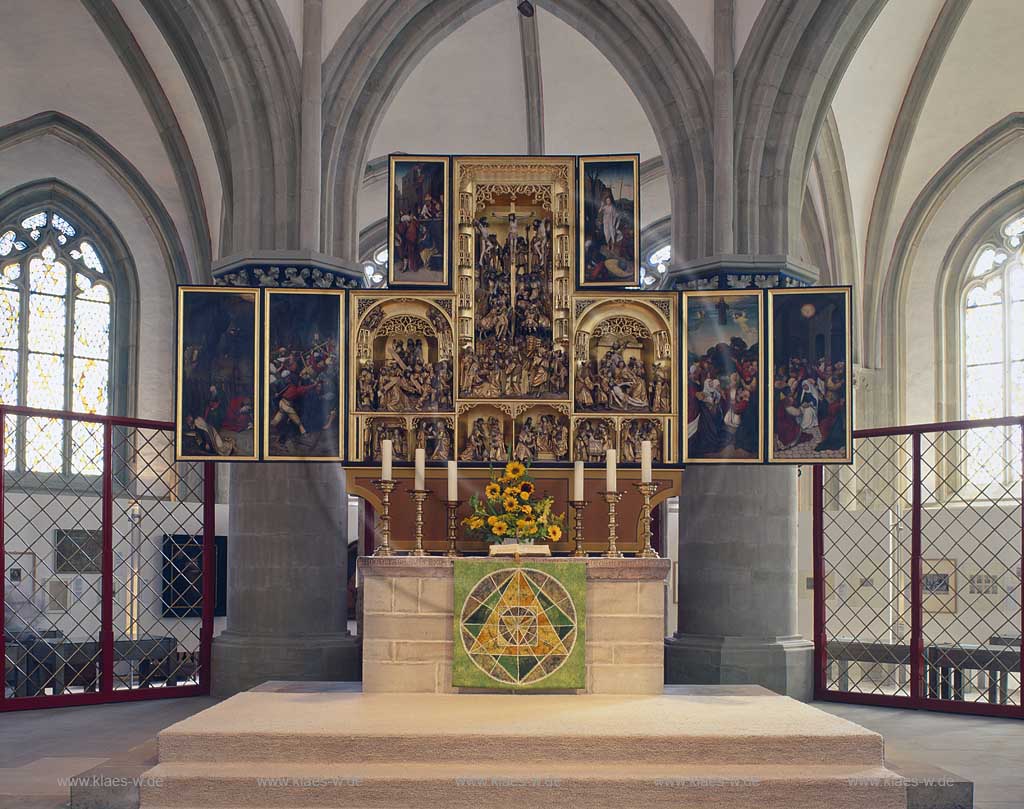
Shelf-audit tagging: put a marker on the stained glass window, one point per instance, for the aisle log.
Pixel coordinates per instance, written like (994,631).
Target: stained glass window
(653,270)
(55,322)
(992,321)
(375,268)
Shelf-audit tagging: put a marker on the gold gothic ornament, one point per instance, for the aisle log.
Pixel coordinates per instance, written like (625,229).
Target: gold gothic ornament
(517,359)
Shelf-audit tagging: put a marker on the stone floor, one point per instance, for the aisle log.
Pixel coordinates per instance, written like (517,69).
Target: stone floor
(38,748)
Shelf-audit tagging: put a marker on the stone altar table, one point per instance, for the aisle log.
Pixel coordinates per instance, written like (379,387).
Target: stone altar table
(408,622)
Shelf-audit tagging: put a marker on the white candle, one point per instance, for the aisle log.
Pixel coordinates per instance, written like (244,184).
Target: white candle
(420,480)
(577,481)
(453,480)
(645,461)
(611,474)
(385,459)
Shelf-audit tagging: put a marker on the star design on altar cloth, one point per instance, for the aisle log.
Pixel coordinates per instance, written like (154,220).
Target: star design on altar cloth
(518,625)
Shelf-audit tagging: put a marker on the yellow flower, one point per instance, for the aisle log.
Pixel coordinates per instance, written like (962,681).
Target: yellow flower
(492,520)
(526,526)
(515,469)
(525,489)
(511,491)
(476,522)
(554,533)
(526,508)
(511,504)
(492,491)
(499,529)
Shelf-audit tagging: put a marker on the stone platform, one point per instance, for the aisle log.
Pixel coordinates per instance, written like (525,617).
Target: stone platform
(731,747)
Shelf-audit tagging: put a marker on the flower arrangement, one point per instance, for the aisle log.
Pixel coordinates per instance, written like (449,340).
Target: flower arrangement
(507,512)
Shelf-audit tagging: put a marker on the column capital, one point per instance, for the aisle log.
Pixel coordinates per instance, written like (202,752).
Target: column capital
(287,268)
(730,271)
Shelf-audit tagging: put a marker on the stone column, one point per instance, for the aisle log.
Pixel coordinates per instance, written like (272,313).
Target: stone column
(311,124)
(725,196)
(287,578)
(738,581)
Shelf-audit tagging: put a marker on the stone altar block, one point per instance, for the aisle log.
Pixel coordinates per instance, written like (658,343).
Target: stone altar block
(408,620)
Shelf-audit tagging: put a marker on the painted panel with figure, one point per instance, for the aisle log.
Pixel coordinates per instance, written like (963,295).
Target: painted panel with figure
(217,381)
(811,410)
(303,383)
(418,221)
(723,339)
(609,195)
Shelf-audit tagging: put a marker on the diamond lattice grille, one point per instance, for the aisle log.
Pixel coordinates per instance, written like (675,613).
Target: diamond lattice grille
(56,550)
(969,596)
(866,521)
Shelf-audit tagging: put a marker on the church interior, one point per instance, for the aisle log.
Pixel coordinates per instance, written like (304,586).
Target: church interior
(560,402)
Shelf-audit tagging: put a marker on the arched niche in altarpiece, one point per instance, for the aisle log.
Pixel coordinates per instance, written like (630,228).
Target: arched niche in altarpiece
(401,382)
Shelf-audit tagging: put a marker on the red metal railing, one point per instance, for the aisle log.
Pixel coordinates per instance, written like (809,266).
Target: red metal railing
(102,596)
(918,550)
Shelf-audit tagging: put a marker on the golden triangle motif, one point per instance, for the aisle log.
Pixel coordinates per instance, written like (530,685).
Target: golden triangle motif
(518,625)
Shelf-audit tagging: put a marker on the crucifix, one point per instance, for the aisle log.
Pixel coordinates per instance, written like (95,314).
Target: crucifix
(512,217)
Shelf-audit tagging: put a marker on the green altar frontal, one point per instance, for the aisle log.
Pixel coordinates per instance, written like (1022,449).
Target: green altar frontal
(518,626)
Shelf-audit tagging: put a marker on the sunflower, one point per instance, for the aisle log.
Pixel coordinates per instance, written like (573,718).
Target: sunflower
(554,533)
(525,489)
(493,491)
(511,491)
(499,529)
(492,521)
(527,527)
(514,470)
(526,508)
(511,504)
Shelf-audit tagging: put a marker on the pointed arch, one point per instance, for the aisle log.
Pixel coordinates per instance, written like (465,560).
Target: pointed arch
(649,45)
(786,78)
(240,61)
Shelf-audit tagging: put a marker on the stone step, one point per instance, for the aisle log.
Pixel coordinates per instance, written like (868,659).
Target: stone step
(689,729)
(261,785)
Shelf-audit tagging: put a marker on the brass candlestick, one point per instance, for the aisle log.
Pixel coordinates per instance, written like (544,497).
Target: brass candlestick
(419,496)
(647,490)
(452,506)
(385,487)
(577,510)
(612,499)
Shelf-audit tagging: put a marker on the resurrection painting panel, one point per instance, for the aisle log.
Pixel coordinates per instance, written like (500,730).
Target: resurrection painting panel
(609,237)
(418,221)
(517,627)
(723,340)
(809,338)
(302,332)
(217,387)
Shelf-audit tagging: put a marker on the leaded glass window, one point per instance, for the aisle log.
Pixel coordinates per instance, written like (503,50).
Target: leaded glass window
(653,270)
(55,319)
(375,268)
(992,325)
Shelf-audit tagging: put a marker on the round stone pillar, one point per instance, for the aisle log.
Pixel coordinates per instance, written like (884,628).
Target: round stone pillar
(287,578)
(738,581)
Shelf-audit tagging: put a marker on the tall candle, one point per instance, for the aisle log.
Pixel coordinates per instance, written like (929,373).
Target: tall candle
(453,480)
(611,473)
(420,480)
(577,482)
(645,461)
(385,459)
